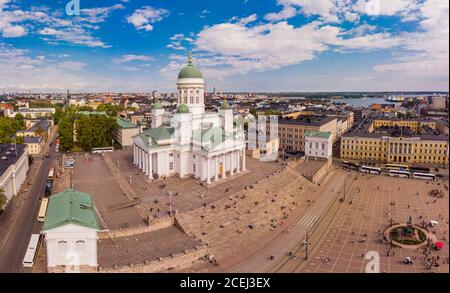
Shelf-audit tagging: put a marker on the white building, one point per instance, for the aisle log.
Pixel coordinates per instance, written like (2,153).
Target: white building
(318,144)
(70,229)
(125,132)
(34,112)
(438,103)
(190,141)
(13,168)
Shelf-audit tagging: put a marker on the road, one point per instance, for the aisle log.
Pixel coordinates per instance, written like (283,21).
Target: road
(292,240)
(18,233)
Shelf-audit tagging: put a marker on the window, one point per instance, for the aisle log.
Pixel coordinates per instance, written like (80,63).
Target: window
(197,92)
(323,146)
(171,166)
(80,245)
(193,168)
(62,246)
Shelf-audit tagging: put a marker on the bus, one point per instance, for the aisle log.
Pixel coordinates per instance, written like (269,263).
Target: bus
(42,210)
(420,169)
(424,176)
(370,170)
(30,254)
(102,150)
(51,174)
(397,167)
(398,173)
(349,165)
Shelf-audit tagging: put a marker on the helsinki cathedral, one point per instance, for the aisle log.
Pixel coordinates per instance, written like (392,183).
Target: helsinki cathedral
(190,141)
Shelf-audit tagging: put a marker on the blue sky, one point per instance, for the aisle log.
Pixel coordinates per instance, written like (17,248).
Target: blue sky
(240,45)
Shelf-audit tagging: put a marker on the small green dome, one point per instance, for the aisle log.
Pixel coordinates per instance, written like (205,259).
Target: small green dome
(158,106)
(225,106)
(190,71)
(183,109)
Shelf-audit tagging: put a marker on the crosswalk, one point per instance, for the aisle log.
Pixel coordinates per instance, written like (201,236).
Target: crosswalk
(308,220)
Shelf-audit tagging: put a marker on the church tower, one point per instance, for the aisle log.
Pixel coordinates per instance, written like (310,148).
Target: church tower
(191,88)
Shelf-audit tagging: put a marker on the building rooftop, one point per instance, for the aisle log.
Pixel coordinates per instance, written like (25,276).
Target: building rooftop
(315,120)
(8,155)
(125,123)
(70,207)
(439,137)
(321,134)
(32,139)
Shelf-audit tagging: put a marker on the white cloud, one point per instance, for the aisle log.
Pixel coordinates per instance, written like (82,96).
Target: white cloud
(237,48)
(389,8)
(54,28)
(13,31)
(130,58)
(325,9)
(427,50)
(179,42)
(144,17)
(285,13)
(99,14)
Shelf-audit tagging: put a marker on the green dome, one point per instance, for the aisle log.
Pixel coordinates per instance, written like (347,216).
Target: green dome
(190,71)
(158,106)
(183,109)
(225,106)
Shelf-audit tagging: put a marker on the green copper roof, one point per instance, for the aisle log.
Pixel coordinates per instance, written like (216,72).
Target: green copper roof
(225,106)
(160,133)
(317,134)
(70,207)
(125,123)
(190,71)
(183,109)
(87,113)
(158,106)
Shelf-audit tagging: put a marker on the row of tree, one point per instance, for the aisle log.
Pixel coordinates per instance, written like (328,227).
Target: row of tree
(9,127)
(91,130)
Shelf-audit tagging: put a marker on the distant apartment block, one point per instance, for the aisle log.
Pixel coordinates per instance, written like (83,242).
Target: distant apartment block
(291,132)
(397,141)
(33,112)
(125,132)
(35,144)
(13,168)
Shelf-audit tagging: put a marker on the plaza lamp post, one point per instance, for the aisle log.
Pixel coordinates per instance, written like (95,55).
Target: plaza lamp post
(306,242)
(170,194)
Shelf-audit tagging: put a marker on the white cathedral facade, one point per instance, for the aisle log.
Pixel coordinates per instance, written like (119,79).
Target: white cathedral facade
(191,142)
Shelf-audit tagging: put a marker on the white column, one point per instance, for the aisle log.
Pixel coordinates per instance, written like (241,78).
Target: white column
(243,160)
(134,155)
(224,166)
(139,158)
(216,161)
(231,163)
(238,169)
(150,166)
(208,171)
(146,163)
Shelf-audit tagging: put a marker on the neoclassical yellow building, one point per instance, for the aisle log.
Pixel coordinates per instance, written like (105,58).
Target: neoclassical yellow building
(411,147)
(415,125)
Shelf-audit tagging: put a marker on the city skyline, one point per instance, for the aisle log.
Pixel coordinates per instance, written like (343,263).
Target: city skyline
(358,45)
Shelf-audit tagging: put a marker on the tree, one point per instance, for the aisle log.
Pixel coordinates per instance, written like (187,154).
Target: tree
(111,110)
(85,108)
(7,129)
(3,199)
(95,131)
(66,132)
(58,114)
